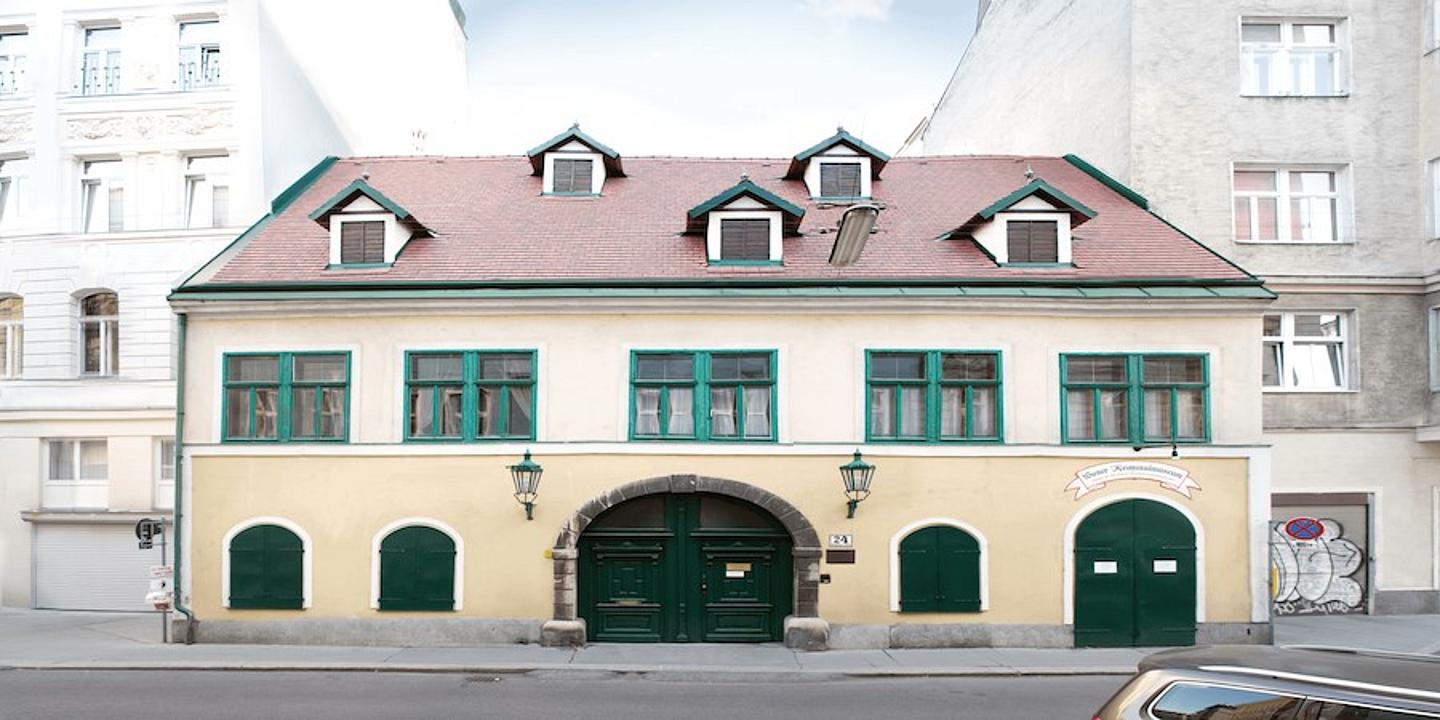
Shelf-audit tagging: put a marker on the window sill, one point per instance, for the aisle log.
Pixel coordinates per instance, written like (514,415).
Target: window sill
(1308,391)
(287,441)
(360,266)
(570,194)
(745,265)
(469,441)
(1137,445)
(707,441)
(928,441)
(1320,243)
(1331,96)
(841,200)
(1040,265)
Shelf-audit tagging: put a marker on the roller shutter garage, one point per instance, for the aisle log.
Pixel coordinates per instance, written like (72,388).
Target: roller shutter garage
(91,567)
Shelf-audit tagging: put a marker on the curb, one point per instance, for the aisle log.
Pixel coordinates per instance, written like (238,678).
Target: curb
(644,671)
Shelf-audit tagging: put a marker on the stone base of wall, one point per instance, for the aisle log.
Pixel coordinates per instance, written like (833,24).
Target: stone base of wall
(961,635)
(1407,602)
(408,632)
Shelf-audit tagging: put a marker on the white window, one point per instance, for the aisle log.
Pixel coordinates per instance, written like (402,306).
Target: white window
(14,47)
(12,336)
(1435,198)
(199,54)
(1433,41)
(100,62)
(1286,205)
(1435,349)
(207,191)
(1291,57)
(165,474)
(1305,351)
(103,196)
(12,181)
(76,474)
(100,334)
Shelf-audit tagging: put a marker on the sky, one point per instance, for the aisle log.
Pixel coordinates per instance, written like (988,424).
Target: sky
(738,78)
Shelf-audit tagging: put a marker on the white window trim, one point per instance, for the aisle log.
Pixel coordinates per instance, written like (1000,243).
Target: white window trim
(12,364)
(1287,338)
(597,171)
(1432,43)
(1433,177)
(109,324)
(392,234)
(76,483)
(17,62)
(904,532)
(1068,549)
(104,50)
(161,483)
(95,197)
(712,234)
(1434,322)
(1283,196)
(812,174)
(200,192)
(1283,49)
(180,48)
(13,173)
(307,556)
(411,522)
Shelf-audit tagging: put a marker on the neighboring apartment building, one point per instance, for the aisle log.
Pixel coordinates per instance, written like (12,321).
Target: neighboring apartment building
(1301,139)
(1038,427)
(135,141)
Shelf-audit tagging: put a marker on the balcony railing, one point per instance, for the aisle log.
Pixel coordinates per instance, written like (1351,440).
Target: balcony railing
(95,80)
(199,74)
(11,81)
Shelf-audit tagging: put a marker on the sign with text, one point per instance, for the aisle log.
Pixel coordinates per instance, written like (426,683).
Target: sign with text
(147,530)
(842,540)
(1096,477)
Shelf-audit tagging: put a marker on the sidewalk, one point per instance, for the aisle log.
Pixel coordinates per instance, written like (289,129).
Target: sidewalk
(34,639)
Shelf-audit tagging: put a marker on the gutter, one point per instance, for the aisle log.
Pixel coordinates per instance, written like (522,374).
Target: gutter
(180,483)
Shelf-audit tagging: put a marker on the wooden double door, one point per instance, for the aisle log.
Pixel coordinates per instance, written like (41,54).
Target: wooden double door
(1135,576)
(685,568)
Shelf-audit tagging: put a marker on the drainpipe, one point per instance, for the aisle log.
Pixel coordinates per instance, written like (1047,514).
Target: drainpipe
(180,482)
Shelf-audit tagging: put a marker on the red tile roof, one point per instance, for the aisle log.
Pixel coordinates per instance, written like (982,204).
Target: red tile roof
(492,225)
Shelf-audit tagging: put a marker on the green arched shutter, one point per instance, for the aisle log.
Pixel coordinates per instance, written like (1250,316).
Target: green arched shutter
(267,569)
(939,571)
(417,570)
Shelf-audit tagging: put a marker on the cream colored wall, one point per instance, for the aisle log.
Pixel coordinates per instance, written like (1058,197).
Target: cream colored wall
(1019,503)
(583,362)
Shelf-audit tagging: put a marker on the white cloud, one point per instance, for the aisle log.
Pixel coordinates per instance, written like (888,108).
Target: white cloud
(851,9)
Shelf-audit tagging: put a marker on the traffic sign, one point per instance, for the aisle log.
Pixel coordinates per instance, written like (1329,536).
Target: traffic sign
(146,530)
(161,571)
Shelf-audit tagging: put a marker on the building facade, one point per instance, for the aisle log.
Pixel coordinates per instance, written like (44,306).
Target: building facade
(1300,139)
(135,141)
(1045,400)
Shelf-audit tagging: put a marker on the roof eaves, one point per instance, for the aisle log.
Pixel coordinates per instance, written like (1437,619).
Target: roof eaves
(612,158)
(358,187)
(1104,179)
(1033,187)
(798,163)
(746,187)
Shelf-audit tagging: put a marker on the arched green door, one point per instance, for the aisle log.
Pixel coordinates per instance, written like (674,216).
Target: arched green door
(1135,576)
(939,571)
(685,568)
(417,570)
(267,569)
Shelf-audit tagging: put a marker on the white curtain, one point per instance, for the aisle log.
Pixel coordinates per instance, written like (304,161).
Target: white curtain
(952,411)
(722,412)
(982,404)
(647,411)
(757,412)
(682,415)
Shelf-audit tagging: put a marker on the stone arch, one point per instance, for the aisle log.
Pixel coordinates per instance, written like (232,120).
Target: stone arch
(803,629)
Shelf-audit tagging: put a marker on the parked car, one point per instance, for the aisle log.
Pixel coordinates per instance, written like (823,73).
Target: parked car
(1250,682)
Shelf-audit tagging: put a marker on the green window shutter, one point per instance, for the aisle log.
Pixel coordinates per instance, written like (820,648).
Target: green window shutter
(417,570)
(939,571)
(267,569)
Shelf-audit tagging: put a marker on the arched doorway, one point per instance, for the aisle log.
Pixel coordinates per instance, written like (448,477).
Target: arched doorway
(1135,576)
(684,568)
(801,625)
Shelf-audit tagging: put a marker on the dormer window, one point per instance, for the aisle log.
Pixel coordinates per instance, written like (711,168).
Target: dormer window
(573,163)
(839,169)
(1032,241)
(1030,226)
(367,229)
(744,225)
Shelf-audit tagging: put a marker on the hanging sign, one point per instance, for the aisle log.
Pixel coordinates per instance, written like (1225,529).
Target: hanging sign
(1095,477)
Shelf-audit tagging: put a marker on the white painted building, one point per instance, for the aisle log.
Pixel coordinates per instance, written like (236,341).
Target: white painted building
(1301,140)
(136,139)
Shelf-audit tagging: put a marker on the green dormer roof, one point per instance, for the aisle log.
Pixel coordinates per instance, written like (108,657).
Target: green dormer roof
(798,163)
(1045,190)
(612,158)
(745,188)
(360,187)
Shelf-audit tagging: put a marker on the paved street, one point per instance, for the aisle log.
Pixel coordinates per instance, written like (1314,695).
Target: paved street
(356,696)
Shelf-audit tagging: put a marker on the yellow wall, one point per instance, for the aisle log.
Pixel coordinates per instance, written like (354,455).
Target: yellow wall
(1019,503)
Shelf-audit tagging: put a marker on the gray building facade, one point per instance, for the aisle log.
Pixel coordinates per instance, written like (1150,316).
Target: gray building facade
(1299,139)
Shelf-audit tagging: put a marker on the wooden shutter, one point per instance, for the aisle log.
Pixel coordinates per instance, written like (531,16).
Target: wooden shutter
(572,176)
(939,571)
(840,180)
(267,569)
(1033,241)
(417,570)
(745,240)
(362,242)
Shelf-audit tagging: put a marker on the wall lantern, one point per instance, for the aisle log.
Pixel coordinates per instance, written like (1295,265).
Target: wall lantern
(856,475)
(526,475)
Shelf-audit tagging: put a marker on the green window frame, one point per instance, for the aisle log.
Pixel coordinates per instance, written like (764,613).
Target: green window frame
(1135,398)
(285,397)
(267,569)
(703,395)
(952,396)
(469,395)
(940,570)
(417,569)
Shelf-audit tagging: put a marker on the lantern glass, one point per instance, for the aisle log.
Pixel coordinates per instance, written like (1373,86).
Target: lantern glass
(856,475)
(526,475)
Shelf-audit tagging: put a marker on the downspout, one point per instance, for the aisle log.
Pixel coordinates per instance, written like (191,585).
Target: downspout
(180,482)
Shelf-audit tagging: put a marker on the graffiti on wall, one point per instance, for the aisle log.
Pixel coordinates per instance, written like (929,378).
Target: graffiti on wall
(1314,568)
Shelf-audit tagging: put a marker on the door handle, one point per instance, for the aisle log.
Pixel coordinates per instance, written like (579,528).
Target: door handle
(704,586)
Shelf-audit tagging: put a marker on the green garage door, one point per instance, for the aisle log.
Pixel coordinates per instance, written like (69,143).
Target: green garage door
(685,568)
(1135,577)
